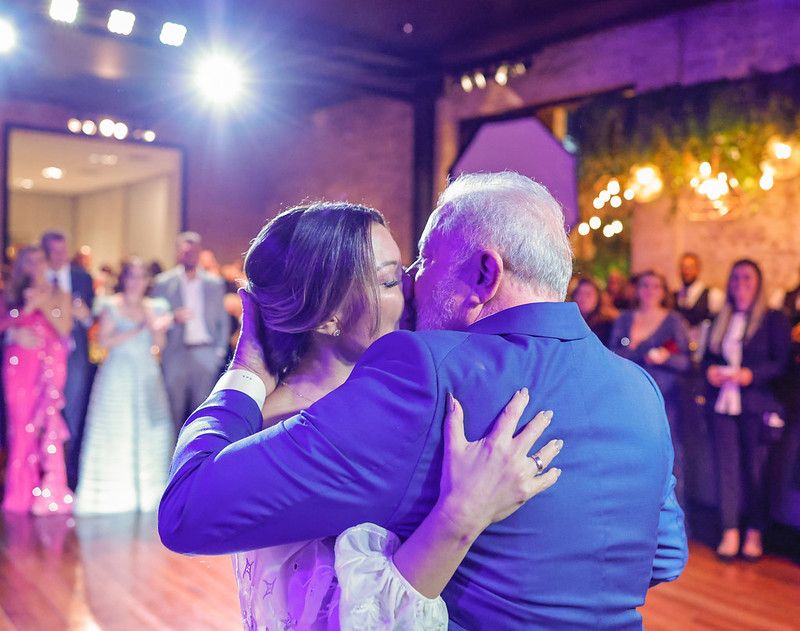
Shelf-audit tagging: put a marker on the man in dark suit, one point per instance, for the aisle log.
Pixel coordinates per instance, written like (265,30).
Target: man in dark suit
(490,285)
(74,280)
(198,342)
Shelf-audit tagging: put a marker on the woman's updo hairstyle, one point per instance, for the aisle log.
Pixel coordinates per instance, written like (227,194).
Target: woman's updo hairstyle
(305,265)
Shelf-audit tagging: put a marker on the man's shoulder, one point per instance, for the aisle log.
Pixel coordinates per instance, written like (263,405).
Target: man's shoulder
(432,344)
(166,276)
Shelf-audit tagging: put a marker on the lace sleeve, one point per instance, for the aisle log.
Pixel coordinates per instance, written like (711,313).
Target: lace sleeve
(374,595)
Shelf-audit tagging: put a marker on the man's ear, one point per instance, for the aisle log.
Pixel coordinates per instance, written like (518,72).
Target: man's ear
(488,272)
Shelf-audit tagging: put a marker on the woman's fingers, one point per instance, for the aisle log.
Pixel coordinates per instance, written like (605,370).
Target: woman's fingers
(506,422)
(545,455)
(454,436)
(542,482)
(525,440)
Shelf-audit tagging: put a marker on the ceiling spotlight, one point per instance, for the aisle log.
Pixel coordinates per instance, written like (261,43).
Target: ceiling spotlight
(74,125)
(25,183)
(64,10)
(466,83)
(519,69)
(121,22)
(149,135)
(106,127)
(219,79)
(408,28)
(89,128)
(501,75)
(172,34)
(8,36)
(480,80)
(52,173)
(120,131)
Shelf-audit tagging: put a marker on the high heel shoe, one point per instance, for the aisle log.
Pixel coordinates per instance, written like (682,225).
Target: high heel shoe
(728,547)
(753,548)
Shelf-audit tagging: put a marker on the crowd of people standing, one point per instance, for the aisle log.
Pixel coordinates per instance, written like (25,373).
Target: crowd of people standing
(98,439)
(719,357)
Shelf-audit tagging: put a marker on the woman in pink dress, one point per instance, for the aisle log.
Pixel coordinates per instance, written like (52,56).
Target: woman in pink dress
(39,320)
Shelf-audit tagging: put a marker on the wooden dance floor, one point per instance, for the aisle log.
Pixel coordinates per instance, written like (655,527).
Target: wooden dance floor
(112,573)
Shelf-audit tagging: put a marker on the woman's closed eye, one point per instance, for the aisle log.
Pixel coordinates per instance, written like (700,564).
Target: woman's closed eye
(391,283)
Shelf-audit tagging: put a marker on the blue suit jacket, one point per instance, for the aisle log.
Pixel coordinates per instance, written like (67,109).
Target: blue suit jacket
(580,555)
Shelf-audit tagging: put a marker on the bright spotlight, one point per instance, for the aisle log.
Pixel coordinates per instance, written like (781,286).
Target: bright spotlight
(149,135)
(219,79)
(594,222)
(64,10)
(480,80)
(8,36)
(121,22)
(466,83)
(172,34)
(120,131)
(106,127)
(583,229)
(74,125)
(501,76)
(89,128)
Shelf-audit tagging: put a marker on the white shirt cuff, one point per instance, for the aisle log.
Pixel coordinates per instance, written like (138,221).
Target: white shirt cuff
(245,382)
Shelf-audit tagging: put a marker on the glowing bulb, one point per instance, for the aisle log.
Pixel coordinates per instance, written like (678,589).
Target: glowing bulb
(64,10)
(628,194)
(705,169)
(52,173)
(608,231)
(8,36)
(766,182)
(782,150)
(149,135)
(645,175)
(583,229)
(616,226)
(597,203)
(74,125)
(89,128)
(613,187)
(466,83)
(172,34)
(501,75)
(106,127)
(219,79)
(733,182)
(594,222)
(694,182)
(480,80)
(120,131)
(616,201)
(604,196)
(121,22)
(722,176)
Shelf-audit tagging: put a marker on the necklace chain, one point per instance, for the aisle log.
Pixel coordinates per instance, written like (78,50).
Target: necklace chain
(295,392)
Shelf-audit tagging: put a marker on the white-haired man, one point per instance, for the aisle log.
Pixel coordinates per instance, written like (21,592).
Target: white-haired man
(493,270)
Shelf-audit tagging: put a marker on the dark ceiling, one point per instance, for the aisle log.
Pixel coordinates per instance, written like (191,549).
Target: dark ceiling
(311,51)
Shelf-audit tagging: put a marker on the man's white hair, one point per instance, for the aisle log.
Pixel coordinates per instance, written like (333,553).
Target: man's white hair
(514,215)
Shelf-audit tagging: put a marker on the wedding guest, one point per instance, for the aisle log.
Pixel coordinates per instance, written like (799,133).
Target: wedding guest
(587,295)
(696,302)
(75,282)
(129,430)
(791,309)
(655,337)
(748,351)
(35,368)
(617,296)
(198,342)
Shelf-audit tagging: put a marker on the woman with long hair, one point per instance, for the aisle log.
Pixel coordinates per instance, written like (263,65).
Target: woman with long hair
(39,320)
(656,337)
(748,351)
(326,279)
(129,430)
(587,295)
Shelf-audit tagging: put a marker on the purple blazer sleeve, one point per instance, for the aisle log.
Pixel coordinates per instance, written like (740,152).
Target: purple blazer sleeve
(346,460)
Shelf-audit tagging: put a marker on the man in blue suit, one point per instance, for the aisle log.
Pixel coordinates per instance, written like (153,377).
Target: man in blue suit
(490,284)
(77,282)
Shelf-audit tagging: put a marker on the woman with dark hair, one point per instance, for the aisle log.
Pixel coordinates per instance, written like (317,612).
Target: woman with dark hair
(656,337)
(39,320)
(587,295)
(748,351)
(129,431)
(326,278)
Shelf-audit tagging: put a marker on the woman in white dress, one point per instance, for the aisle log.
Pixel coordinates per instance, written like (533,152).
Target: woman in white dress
(129,433)
(325,281)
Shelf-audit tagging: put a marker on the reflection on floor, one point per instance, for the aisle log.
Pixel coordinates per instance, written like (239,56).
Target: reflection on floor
(112,573)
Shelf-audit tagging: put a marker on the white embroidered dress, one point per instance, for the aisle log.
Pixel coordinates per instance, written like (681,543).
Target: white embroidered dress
(345,584)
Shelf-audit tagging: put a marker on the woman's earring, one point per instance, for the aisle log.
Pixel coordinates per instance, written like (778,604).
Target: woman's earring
(337,333)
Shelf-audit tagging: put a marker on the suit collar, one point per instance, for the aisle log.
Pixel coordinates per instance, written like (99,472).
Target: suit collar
(558,320)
